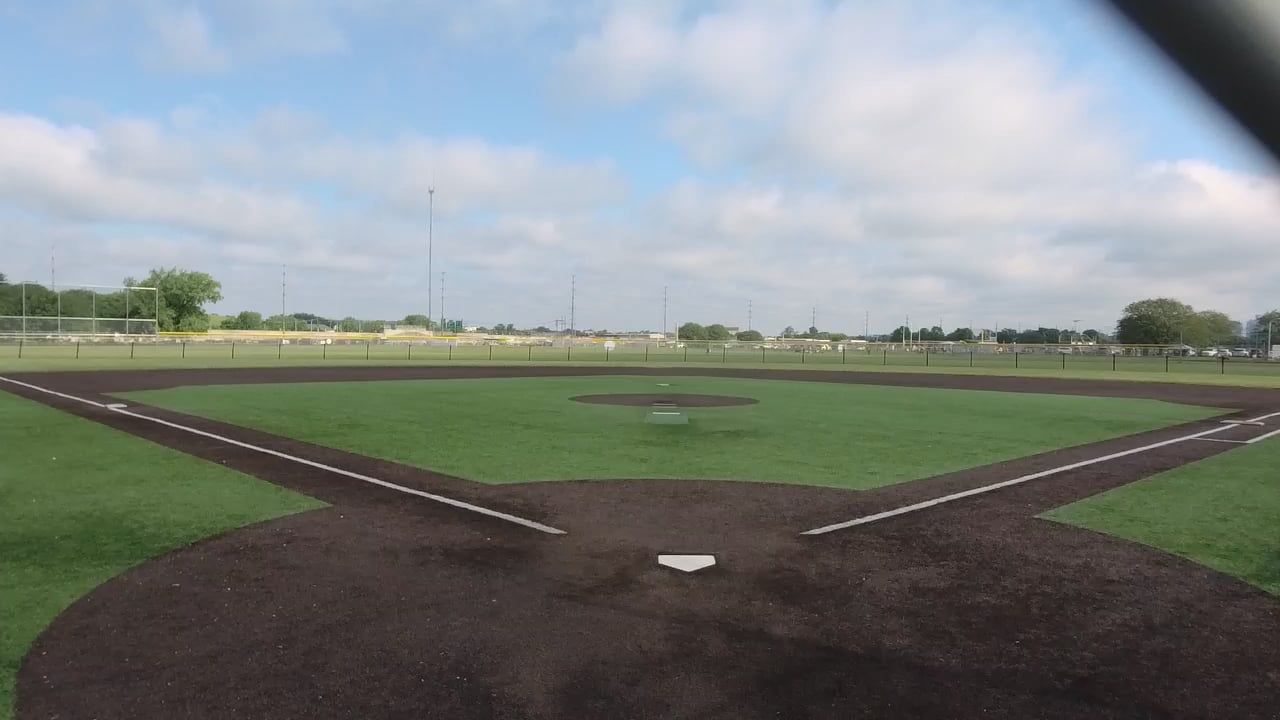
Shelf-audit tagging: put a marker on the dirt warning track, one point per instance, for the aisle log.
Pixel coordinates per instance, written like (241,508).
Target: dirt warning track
(385,605)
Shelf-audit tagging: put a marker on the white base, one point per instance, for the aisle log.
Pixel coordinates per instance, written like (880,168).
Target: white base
(687,563)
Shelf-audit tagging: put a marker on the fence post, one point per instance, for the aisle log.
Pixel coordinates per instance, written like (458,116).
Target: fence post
(761,355)
(410,351)
(841,356)
(20,348)
(568,352)
(606,354)
(802,354)
(926,357)
(970,358)
(184,349)
(366,349)
(1064,361)
(1223,362)
(885,360)
(1166,363)
(724,353)
(450,352)
(1015,357)
(646,352)
(324,352)
(530,353)
(131,344)
(77,349)
(1113,362)
(491,352)
(280,348)
(233,350)
(686,352)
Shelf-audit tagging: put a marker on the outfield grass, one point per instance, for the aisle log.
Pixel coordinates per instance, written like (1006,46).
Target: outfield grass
(526,429)
(1200,371)
(1223,512)
(81,503)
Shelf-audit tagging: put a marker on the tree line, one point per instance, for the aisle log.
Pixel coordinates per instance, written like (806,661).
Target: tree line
(181,296)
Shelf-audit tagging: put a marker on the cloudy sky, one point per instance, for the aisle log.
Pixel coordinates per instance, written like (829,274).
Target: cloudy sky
(977,162)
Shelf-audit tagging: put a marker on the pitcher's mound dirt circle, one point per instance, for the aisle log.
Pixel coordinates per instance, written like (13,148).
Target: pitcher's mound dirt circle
(679,399)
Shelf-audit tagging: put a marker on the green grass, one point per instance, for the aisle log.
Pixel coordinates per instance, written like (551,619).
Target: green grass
(81,503)
(522,429)
(1223,512)
(104,356)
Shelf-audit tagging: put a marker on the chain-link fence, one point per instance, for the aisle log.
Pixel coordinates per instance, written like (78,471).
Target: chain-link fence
(339,348)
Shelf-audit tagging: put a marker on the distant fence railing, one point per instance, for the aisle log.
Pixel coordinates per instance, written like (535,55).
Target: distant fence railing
(318,347)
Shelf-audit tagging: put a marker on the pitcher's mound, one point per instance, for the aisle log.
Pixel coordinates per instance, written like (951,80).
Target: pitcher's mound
(677,399)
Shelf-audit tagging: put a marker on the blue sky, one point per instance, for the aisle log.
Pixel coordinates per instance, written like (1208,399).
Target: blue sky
(1030,163)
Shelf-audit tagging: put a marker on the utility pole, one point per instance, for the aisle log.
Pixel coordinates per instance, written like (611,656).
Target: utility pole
(664,311)
(813,319)
(442,273)
(748,314)
(573,298)
(866,325)
(53,284)
(431,213)
(284,273)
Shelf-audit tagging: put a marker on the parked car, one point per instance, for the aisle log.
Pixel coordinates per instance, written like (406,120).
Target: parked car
(1240,352)
(1209,352)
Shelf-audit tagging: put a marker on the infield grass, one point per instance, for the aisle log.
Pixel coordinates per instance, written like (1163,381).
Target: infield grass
(81,503)
(527,429)
(1223,512)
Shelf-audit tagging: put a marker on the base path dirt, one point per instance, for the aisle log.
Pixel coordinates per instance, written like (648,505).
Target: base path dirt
(388,606)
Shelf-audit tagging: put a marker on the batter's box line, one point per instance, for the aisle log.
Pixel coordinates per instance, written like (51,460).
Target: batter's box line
(925,505)
(460,504)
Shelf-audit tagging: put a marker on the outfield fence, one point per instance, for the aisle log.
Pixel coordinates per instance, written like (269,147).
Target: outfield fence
(312,347)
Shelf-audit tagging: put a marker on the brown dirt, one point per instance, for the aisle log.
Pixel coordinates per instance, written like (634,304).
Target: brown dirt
(684,400)
(385,605)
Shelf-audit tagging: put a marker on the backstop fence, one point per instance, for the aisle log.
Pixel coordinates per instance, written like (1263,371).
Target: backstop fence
(31,311)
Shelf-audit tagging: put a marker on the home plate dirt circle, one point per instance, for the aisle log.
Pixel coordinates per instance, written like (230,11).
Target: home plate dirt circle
(684,400)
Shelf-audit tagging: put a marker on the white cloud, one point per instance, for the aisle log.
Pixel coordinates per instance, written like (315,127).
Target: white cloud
(183,42)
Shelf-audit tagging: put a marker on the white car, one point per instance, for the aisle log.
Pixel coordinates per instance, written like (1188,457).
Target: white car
(1209,352)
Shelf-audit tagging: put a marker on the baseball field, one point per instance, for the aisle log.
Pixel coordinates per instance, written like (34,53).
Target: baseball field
(483,541)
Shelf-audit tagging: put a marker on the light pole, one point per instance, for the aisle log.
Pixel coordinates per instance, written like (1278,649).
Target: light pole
(431,214)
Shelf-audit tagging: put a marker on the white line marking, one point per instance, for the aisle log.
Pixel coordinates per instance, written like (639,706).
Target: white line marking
(116,406)
(311,463)
(1220,440)
(1241,422)
(53,392)
(657,412)
(1260,438)
(1018,480)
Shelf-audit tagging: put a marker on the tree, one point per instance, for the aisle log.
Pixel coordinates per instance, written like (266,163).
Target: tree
(788,332)
(182,296)
(1265,329)
(837,337)
(749,336)
(718,332)
(1007,336)
(418,320)
(1218,328)
(692,331)
(542,329)
(961,335)
(1160,321)
(3,279)
(246,320)
(901,335)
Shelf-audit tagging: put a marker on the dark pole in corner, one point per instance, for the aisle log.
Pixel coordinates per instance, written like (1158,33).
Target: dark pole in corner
(1227,47)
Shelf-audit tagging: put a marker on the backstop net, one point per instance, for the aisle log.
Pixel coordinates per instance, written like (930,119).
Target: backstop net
(33,310)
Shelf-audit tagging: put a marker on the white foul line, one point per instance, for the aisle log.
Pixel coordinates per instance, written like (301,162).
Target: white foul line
(276,453)
(1260,438)
(1025,478)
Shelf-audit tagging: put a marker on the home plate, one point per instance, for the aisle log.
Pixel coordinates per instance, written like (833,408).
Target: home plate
(687,563)
(116,406)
